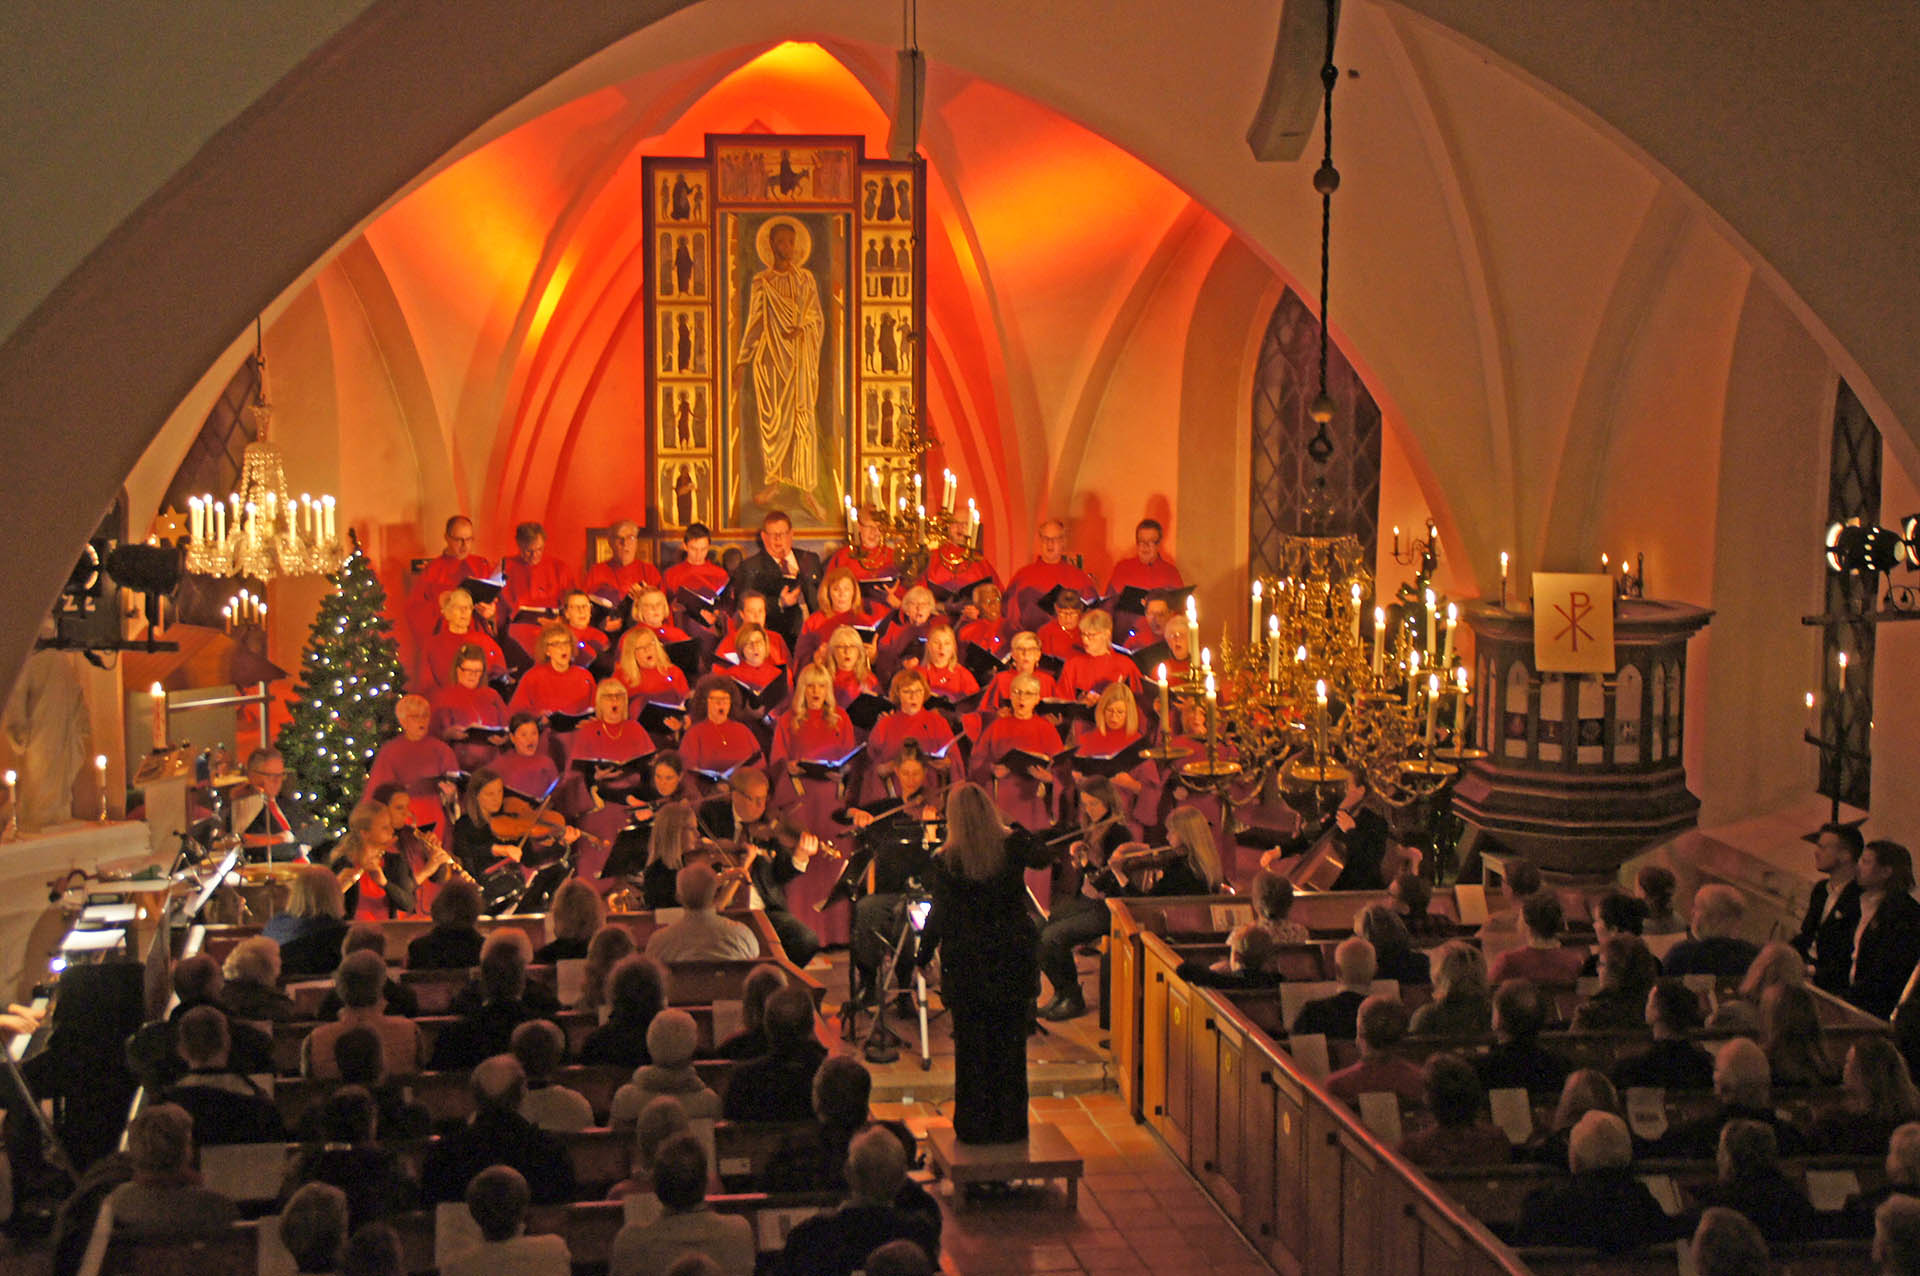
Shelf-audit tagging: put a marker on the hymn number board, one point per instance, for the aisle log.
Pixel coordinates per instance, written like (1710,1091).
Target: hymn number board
(785,298)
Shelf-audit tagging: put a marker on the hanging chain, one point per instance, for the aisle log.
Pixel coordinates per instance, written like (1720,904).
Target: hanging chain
(1326,180)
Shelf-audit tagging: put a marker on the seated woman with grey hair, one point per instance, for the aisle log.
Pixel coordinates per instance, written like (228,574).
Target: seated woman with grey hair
(1602,1206)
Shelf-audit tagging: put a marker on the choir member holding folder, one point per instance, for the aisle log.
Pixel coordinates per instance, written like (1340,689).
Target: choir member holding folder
(813,744)
(558,685)
(468,714)
(456,630)
(1014,757)
(910,724)
(716,743)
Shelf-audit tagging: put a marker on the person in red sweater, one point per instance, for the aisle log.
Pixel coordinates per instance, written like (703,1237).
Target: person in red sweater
(610,736)
(991,630)
(945,675)
(645,671)
(752,610)
(696,574)
(454,566)
(903,645)
(457,630)
(1148,569)
(846,658)
(716,743)
(839,605)
(1045,574)
(815,729)
(912,722)
(1116,726)
(469,702)
(1026,660)
(415,758)
(1024,793)
(1542,959)
(536,582)
(576,612)
(526,765)
(755,673)
(1097,665)
(1060,637)
(1381,1069)
(559,685)
(623,575)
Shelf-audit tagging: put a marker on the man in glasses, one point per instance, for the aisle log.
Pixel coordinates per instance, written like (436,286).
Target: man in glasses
(272,825)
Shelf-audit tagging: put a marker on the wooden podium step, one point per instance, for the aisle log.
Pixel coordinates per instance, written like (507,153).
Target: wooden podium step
(1044,1156)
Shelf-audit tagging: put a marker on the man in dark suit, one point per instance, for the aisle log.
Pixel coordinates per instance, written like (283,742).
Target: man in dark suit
(788,577)
(837,1244)
(1833,913)
(1337,1017)
(1887,946)
(270,824)
(226,1106)
(498,1135)
(778,1086)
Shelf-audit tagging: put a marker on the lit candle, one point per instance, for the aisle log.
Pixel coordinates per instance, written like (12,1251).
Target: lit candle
(919,496)
(921,510)
(260,609)
(1432,634)
(219,521)
(1300,654)
(100,774)
(1320,721)
(1356,615)
(853,520)
(233,511)
(194,512)
(873,485)
(1166,714)
(1433,706)
(973,524)
(952,489)
(327,530)
(159,694)
(1396,542)
(1813,723)
(226,617)
(1193,638)
(1413,675)
(1273,648)
(1213,711)
(11,778)
(1460,709)
(1253,630)
(1206,662)
(1453,618)
(1379,637)
(1503,579)
(1604,564)
(1843,671)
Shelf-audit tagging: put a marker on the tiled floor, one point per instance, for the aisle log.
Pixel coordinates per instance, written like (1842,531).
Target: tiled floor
(1139,1211)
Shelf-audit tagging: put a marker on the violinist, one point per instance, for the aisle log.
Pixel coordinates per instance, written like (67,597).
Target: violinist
(1189,864)
(456,630)
(1024,790)
(911,723)
(526,765)
(840,605)
(850,663)
(644,670)
(715,742)
(666,783)
(610,738)
(418,858)
(674,835)
(485,837)
(894,839)
(1078,908)
(904,644)
(559,685)
(775,853)
(466,703)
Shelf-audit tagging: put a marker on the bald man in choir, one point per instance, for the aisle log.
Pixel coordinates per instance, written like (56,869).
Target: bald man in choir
(1043,575)
(536,582)
(455,565)
(623,576)
(271,824)
(417,759)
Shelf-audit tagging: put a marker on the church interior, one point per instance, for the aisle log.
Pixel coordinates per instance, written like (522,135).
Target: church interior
(1612,289)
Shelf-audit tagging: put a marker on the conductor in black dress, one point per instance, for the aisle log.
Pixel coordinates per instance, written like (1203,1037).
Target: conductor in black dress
(786,576)
(989,961)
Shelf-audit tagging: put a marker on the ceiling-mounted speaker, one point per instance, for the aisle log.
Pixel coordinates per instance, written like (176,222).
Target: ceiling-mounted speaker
(909,100)
(1290,106)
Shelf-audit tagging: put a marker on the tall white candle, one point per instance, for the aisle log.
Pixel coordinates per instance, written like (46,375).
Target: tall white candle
(1432,637)
(1813,722)
(1213,712)
(328,533)
(100,775)
(1253,628)
(11,778)
(1413,675)
(1453,618)
(1379,637)
(1503,579)
(158,694)
(1460,711)
(1273,648)
(219,522)
(1166,715)
(1320,721)
(1433,705)
(1843,671)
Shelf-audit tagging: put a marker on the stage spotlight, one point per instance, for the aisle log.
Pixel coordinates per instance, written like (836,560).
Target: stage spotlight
(1854,548)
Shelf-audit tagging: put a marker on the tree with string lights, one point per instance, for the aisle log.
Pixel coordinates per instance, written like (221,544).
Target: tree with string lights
(350,682)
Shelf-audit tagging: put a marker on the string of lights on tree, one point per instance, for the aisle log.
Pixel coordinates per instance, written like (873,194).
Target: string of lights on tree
(350,682)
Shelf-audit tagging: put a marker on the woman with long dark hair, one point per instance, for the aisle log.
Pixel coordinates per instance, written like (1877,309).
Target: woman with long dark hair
(989,962)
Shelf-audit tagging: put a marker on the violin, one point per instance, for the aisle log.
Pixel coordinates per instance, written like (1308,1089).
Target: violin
(519,820)
(1137,858)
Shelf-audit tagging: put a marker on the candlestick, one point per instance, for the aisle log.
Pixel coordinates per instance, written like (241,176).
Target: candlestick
(1356,615)
(1460,711)
(1503,580)
(1379,638)
(1273,649)
(1433,706)
(1167,723)
(1320,722)
(1413,675)
(1253,629)
(1453,618)
(1431,634)
(100,774)
(159,694)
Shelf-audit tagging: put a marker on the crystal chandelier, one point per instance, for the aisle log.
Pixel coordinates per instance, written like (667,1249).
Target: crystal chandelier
(263,531)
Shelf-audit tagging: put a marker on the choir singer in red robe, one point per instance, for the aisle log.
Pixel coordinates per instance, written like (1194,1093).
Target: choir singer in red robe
(468,703)
(416,759)
(623,575)
(536,582)
(559,685)
(1022,790)
(456,630)
(1043,575)
(454,566)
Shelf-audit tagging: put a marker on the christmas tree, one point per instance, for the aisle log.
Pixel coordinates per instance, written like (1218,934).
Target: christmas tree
(350,681)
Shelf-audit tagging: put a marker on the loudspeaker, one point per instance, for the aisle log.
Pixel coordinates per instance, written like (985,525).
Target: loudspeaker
(909,101)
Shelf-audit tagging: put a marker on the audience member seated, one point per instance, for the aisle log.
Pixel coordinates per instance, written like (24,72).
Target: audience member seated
(1791,1034)
(816,1157)
(1896,1237)
(1775,965)
(1602,1206)
(348,1156)
(226,1106)
(609,944)
(761,982)
(361,1059)
(498,1198)
(358,983)
(1713,948)
(1742,1084)
(1655,887)
(686,1221)
(1521,883)
(453,941)
(659,1121)
(778,1086)
(313,1228)
(837,1244)
(701,934)
(1250,954)
(1517,1059)
(637,991)
(369,938)
(1462,1004)
(1272,902)
(1412,896)
(487,1030)
(1672,1062)
(1886,947)
(573,918)
(373,1250)
(1381,1069)
(497,1135)
(1726,1243)
(310,928)
(1749,1181)
(1903,1179)
(1335,1016)
(672,1039)
(1393,954)
(540,1046)
(1618,913)
(164,1198)
(1541,958)
(1628,971)
(1880,1099)
(252,988)
(1587,1090)
(899,1258)
(153,1053)
(1460,1135)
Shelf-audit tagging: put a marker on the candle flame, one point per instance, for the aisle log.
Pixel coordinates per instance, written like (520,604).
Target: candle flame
(1356,593)
(1257,590)
(1379,617)
(1809,699)
(1273,626)
(1210,688)
(100,761)
(1503,562)
(1433,684)
(1163,675)
(1320,690)
(1461,676)
(1300,655)
(1843,660)
(1453,615)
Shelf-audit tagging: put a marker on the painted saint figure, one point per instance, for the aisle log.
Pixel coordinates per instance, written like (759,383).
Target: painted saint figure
(780,344)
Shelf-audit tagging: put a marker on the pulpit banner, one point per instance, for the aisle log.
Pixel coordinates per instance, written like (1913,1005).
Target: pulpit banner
(1572,622)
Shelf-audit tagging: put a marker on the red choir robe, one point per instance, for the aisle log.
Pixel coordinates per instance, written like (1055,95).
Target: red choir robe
(610,582)
(528,775)
(930,730)
(717,747)
(1142,809)
(441,573)
(1084,673)
(1021,798)
(902,642)
(882,565)
(595,740)
(702,578)
(1061,644)
(1035,581)
(820,627)
(952,568)
(778,653)
(667,685)
(991,636)
(455,708)
(955,682)
(544,690)
(588,645)
(420,765)
(996,698)
(1131,573)
(437,653)
(812,802)
(849,686)
(531,585)
(757,679)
